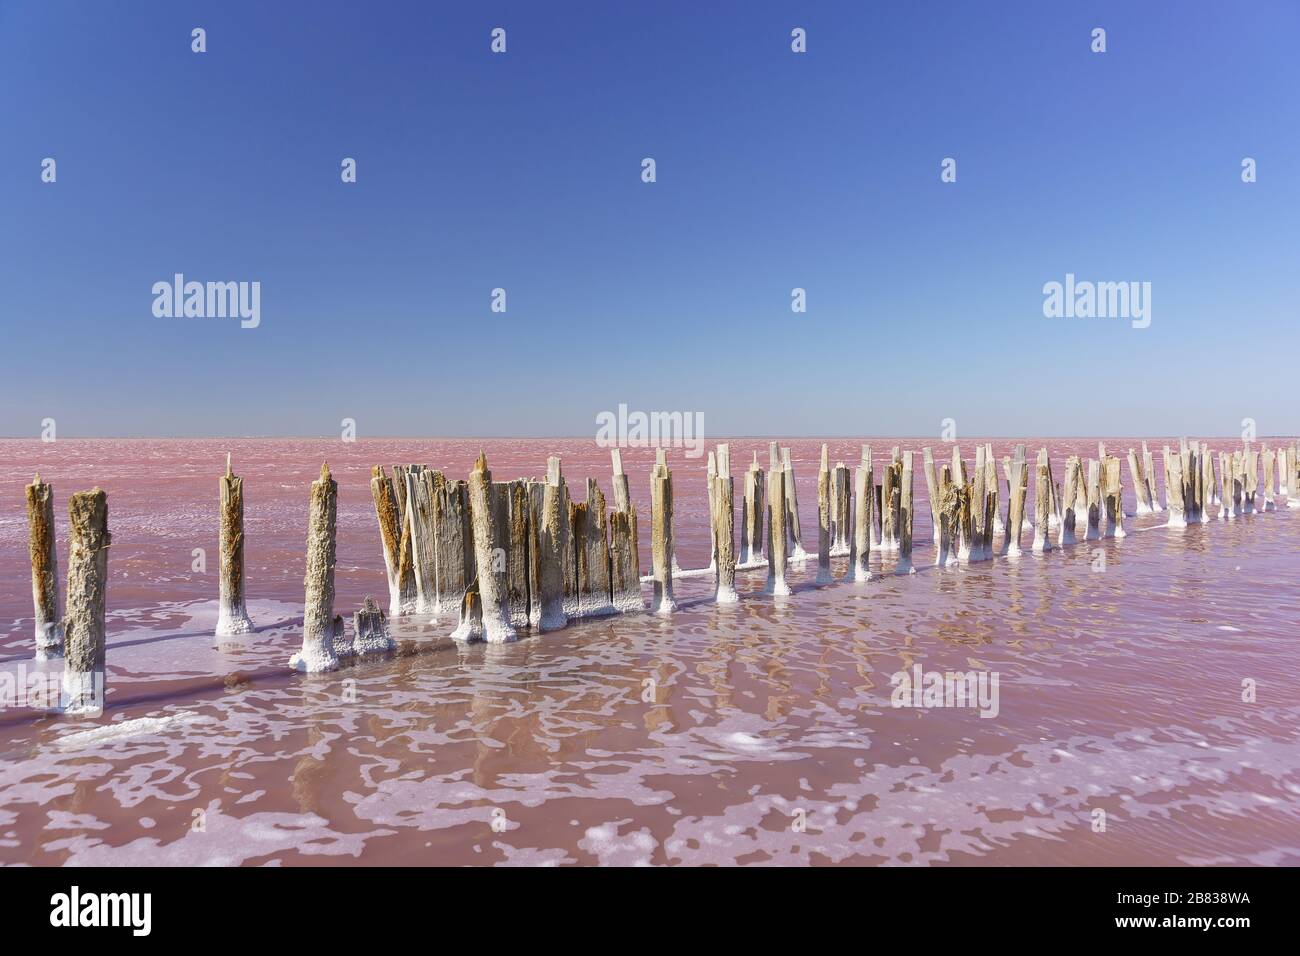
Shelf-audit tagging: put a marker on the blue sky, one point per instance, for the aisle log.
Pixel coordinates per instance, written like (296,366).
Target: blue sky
(775,170)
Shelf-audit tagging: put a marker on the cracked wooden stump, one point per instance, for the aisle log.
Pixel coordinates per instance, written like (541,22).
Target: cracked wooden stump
(722,520)
(553,521)
(1042,502)
(776,533)
(864,518)
(825,519)
(83,625)
(906,510)
(422,487)
(370,635)
(232,611)
(389,494)
(1017,488)
(1113,491)
(45,570)
(319,625)
(488,515)
(751,514)
(794,540)
(661,534)
(591,553)
(1069,500)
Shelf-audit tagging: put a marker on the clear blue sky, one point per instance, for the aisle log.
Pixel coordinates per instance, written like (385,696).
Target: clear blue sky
(522,171)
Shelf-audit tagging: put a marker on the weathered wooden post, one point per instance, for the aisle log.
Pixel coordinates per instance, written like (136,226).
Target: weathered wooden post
(83,627)
(1149,470)
(1017,488)
(905,512)
(1141,489)
(453,543)
(797,551)
(825,518)
(1238,483)
(1175,487)
(1250,478)
(1069,501)
(933,496)
(722,518)
(776,532)
(1114,498)
(1093,498)
(232,612)
(488,511)
(420,530)
(1293,476)
(550,538)
(751,515)
(661,534)
(1225,482)
(591,548)
(943,504)
(370,631)
(45,570)
(320,626)
(622,498)
(842,492)
(889,505)
(865,520)
(1268,463)
(1043,502)
(979,494)
(520,557)
(710,487)
(395,537)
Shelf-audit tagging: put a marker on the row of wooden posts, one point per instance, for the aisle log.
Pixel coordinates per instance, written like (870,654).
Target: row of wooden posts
(503,556)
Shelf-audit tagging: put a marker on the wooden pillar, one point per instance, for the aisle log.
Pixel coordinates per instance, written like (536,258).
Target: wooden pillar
(889,504)
(722,519)
(520,556)
(842,519)
(320,626)
(710,486)
(864,519)
(1225,486)
(489,516)
(550,538)
(1141,489)
(591,548)
(933,495)
(1114,498)
(751,515)
(825,518)
(795,537)
(979,493)
(232,611)
(395,537)
(906,511)
(453,544)
(1292,490)
(661,534)
(1069,500)
(45,570)
(1043,502)
(1174,490)
(370,635)
(622,500)
(419,520)
(776,532)
(83,627)
(1017,488)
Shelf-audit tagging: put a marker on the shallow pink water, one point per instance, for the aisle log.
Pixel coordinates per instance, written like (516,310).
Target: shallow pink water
(761,733)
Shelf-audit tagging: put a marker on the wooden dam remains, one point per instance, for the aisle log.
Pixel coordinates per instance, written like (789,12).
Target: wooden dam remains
(496,559)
